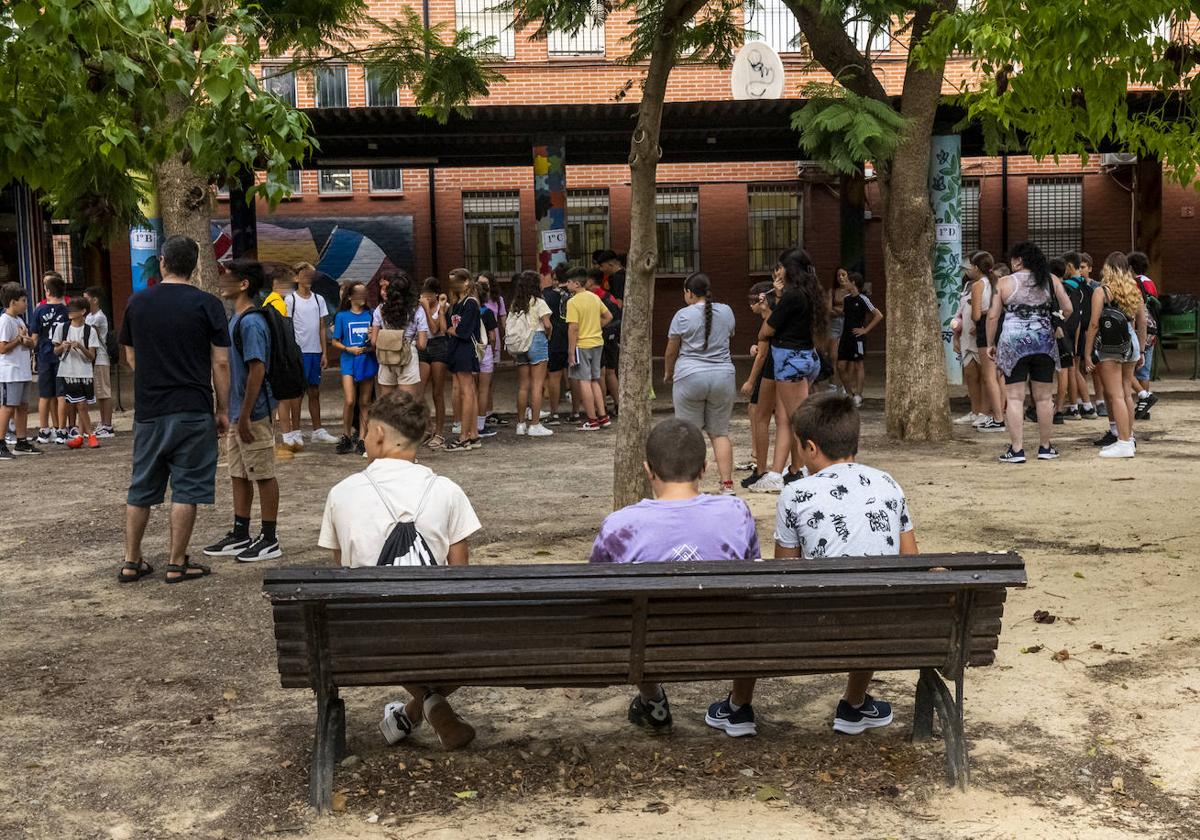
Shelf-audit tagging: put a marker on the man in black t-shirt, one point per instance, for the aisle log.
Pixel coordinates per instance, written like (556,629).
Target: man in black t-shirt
(177,342)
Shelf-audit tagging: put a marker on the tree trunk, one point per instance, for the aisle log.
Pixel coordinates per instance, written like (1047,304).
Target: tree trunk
(917,396)
(629,480)
(184,204)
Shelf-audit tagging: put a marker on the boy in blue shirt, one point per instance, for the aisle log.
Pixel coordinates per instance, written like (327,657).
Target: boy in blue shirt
(250,444)
(46,320)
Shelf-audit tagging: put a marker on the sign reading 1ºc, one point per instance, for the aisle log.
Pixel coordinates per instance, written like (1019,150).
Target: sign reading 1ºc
(554,240)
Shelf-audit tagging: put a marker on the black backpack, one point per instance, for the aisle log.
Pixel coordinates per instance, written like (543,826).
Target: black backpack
(1112,336)
(285,369)
(404,545)
(1153,307)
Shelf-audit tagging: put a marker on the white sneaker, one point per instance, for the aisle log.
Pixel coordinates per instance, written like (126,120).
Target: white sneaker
(322,436)
(858,400)
(772,482)
(981,420)
(105,432)
(11,439)
(538,430)
(396,725)
(967,419)
(529,414)
(1120,449)
(545,413)
(521,427)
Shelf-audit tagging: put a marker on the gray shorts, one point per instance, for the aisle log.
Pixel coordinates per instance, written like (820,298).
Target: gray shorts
(588,366)
(13,394)
(179,447)
(705,398)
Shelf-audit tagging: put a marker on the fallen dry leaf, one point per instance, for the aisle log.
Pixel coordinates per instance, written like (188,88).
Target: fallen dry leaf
(825,776)
(1033,649)
(466,794)
(1062,656)
(1044,617)
(766,793)
(338,803)
(230,694)
(656,808)
(1118,784)
(1079,575)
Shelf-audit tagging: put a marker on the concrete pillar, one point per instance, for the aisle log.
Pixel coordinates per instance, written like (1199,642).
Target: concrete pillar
(550,202)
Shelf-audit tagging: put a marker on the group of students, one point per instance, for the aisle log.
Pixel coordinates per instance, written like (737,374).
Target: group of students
(397,512)
(66,345)
(1048,327)
(565,324)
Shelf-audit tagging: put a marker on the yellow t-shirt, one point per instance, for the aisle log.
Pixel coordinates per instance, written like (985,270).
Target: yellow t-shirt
(585,309)
(275,300)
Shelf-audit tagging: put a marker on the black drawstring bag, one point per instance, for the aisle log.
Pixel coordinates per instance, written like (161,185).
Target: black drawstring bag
(404,545)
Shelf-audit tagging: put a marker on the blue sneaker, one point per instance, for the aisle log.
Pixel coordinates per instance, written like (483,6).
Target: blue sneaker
(736,724)
(871,714)
(654,716)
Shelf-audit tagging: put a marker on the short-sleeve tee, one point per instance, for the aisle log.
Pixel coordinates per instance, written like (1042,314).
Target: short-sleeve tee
(464,320)
(352,329)
(585,310)
(556,302)
(256,347)
(17,364)
(73,364)
(490,324)
(308,316)
(857,308)
(417,323)
(99,322)
(357,522)
(46,318)
(703,528)
(172,328)
(688,327)
(792,322)
(846,509)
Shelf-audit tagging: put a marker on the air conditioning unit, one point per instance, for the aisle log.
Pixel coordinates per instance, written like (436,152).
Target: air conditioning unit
(1118,159)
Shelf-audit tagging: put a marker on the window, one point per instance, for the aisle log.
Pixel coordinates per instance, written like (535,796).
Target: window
(589,40)
(482,19)
(331,86)
(280,82)
(776,223)
(293,180)
(587,224)
(678,218)
(387,180)
(335,182)
(379,93)
(969,205)
(1056,214)
(869,36)
(492,231)
(774,23)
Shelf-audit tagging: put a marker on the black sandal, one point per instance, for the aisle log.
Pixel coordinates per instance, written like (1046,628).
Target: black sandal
(182,571)
(141,568)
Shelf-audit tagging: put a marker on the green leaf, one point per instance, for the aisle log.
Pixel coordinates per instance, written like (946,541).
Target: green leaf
(217,88)
(25,15)
(137,8)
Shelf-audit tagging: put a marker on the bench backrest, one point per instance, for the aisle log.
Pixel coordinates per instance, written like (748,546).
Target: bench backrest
(580,625)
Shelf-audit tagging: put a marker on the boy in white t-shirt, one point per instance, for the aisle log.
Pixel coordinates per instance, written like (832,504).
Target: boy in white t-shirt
(76,344)
(359,514)
(310,314)
(16,370)
(100,370)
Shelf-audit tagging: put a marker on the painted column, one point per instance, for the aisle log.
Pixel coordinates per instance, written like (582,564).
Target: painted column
(550,203)
(144,243)
(945,189)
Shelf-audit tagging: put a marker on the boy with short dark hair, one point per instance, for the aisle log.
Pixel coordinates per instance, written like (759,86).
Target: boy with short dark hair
(102,382)
(586,318)
(250,443)
(16,370)
(679,524)
(861,317)
(76,345)
(46,319)
(841,508)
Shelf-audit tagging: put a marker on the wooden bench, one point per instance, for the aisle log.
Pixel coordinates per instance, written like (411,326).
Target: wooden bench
(541,626)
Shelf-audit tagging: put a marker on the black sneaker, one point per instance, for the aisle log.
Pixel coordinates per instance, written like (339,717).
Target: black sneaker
(1108,440)
(494,420)
(360,446)
(344,445)
(751,479)
(1047,453)
(1059,418)
(737,724)
(654,716)
(553,420)
(228,545)
(1142,410)
(5,453)
(1101,409)
(1088,413)
(789,476)
(992,426)
(24,447)
(1011,457)
(261,549)
(1072,413)
(870,715)
(488,432)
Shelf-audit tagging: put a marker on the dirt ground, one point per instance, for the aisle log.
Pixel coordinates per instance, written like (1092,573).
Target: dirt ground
(151,711)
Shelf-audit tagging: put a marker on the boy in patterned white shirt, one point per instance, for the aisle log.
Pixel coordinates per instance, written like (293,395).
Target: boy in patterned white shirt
(841,509)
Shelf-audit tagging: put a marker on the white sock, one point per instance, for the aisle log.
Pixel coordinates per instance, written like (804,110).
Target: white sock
(1143,394)
(1112,427)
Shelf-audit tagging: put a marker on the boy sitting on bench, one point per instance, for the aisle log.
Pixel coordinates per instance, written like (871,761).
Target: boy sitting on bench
(842,509)
(679,524)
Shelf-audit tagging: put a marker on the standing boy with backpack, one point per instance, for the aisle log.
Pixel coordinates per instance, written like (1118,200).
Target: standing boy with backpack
(250,442)
(1139,264)
(309,313)
(76,345)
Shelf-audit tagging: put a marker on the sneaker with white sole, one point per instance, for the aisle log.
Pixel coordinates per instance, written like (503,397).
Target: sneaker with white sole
(772,482)
(105,432)
(396,724)
(966,420)
(522,428)
(736,723)
(45,436)
(981,419)
(872,714)
(654,716)
(992,425)
(322,436)
(455,428)
(858,400)
(1047,453)
(228,545)
(261,549)
(538,430)
(1012,456)
(1120,449)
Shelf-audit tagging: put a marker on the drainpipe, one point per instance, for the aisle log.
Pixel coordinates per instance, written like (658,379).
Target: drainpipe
(432,179)
(1003,205)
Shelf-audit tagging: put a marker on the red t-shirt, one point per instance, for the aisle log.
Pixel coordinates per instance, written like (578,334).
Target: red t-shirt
(1148,285)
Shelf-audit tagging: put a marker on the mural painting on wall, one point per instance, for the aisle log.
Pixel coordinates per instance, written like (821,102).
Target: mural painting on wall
(343,249)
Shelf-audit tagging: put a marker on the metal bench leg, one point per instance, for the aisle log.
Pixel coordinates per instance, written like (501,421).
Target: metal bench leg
(329,745)
(936,696)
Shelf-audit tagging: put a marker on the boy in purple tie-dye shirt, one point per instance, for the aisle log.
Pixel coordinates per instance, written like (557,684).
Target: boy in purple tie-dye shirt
(679,524)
